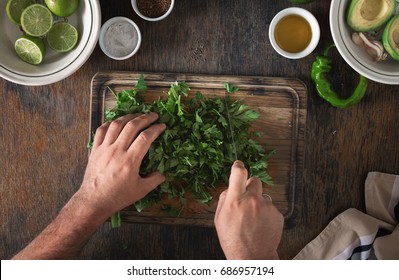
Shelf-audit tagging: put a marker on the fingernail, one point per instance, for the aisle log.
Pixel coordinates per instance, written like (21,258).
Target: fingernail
(153,114)
(239,163)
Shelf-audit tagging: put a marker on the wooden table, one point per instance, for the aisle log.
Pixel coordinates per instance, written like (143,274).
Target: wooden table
(44,130)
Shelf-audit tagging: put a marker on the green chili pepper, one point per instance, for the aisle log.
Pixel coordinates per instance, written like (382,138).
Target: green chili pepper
(320,69)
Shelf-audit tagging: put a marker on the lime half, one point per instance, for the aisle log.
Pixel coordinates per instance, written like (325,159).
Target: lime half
(30,49)
(15,8)
(36,20)
(62,37)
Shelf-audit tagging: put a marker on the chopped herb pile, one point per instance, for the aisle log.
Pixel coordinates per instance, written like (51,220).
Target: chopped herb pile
(196,150)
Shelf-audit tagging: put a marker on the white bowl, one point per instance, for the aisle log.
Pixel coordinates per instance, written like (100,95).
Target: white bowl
(314,25)
(104,30)
(136,9)
(386,72)
(55,66)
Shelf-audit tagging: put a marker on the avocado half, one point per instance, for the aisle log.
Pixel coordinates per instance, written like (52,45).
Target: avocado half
(390,37)
(368,15)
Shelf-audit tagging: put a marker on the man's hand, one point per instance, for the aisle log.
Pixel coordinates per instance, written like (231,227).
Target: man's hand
(112,179)
(249,226)
(111,182)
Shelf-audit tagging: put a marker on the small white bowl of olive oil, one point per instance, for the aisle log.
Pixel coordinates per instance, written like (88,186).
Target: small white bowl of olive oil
(294,33)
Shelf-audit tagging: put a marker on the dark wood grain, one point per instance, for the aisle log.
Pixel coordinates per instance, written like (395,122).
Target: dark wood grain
(43,130)
(281,105)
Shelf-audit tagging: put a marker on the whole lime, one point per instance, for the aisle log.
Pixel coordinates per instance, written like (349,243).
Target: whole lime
(62,8)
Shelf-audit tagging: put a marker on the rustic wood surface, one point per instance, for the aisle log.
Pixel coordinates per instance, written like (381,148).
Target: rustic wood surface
(43,130)
(281,105)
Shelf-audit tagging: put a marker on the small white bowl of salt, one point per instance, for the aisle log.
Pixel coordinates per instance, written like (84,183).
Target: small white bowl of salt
(120,38)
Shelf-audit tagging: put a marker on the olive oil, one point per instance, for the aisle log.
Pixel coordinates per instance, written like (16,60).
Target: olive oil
(293,33)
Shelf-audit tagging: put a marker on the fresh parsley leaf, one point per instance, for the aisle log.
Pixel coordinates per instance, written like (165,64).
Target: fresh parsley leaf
(230,88)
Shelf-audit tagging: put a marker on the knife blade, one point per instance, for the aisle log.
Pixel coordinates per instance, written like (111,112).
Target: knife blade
(230,126)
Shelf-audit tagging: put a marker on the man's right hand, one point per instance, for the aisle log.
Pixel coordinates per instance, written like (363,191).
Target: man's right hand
(249,226)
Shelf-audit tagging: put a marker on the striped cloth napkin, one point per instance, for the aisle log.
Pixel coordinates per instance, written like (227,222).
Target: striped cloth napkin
(357,235)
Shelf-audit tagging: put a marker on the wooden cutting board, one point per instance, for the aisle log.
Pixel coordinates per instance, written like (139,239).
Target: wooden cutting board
(281,103)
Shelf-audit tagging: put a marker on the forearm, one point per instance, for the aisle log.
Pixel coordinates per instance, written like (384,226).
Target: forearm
(67,234)
(111,182)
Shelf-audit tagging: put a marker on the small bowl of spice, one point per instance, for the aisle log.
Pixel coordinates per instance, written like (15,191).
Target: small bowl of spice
(120,38)
(153,10)
(294,33)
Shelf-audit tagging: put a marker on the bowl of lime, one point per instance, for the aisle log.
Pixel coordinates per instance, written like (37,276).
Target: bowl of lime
(43,42)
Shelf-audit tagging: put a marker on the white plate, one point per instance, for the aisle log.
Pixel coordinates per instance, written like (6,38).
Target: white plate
(55,66)
(386,72)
